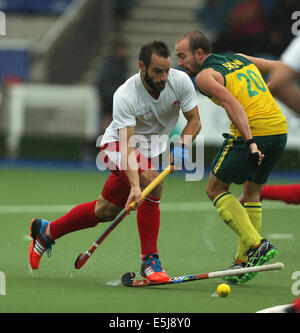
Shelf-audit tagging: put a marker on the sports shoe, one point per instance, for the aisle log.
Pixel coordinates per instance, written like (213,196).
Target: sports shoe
(235,279)
(256,257)
(151,269)
(39,243)
(260,255)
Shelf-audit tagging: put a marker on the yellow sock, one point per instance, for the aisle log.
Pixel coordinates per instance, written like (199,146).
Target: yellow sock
(236,217)
(254,211)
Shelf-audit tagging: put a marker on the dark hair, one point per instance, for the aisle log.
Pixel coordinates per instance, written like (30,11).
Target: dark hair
(156,47)
(197,40)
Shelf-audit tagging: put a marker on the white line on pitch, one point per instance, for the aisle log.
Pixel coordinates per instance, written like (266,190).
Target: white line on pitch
(167,206)
(21,209)
(281,236)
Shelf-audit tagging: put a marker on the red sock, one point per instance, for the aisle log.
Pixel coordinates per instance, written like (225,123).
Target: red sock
(148,220)
(287,193)
(80,217)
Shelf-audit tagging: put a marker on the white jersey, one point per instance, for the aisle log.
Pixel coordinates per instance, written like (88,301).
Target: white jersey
(153,119)
(291,56)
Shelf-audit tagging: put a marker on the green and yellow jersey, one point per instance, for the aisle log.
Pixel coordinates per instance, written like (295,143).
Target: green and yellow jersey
(244,81)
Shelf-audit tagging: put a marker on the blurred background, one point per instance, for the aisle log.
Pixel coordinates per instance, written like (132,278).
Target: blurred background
(62,60)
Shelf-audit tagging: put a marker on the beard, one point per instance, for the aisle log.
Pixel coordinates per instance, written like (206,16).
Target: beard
(155,87)
(194,69)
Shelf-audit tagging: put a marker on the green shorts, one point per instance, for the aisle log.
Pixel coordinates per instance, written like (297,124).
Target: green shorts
(231,164)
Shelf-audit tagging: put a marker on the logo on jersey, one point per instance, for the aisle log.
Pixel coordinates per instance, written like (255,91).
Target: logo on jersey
(146,114)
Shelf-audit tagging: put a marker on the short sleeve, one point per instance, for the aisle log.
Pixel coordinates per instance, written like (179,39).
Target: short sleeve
(123,112)
(290,56)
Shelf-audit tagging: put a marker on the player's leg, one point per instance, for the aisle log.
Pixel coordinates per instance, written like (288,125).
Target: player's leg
(231,166)
(44,232)
(86,215)
(148,213)
(232,212)
(148,220)
(252,203)
(253,207)
(252,248)
(272,146)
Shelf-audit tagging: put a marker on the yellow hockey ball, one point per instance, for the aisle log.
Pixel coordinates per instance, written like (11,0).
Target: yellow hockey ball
(223,290)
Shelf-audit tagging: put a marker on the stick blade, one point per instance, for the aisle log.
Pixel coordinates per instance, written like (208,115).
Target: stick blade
(80,261)
(127,279)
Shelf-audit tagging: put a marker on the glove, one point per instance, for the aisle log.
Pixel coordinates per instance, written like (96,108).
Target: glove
(253,157)
(180,154)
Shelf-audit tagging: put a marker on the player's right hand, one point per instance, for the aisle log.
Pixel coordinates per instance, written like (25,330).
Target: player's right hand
(256,156)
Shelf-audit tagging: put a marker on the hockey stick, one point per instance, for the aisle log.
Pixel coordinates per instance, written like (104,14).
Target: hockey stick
(128,278)
(82,258)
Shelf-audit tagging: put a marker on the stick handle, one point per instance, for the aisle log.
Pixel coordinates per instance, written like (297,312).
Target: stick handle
(153,184)
(228,272)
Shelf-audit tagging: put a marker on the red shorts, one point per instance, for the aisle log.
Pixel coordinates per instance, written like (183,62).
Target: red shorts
(117,187)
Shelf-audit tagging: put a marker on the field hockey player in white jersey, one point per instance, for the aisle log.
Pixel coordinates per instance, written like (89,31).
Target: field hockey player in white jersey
(145,110)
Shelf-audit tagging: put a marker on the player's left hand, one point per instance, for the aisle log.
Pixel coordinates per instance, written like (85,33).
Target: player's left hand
(133,200)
